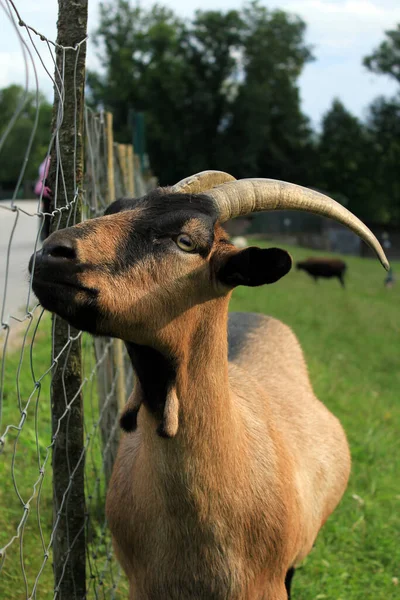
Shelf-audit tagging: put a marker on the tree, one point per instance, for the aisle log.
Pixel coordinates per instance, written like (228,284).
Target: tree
(268,135)
(384,126)
(218,92)
(383,123)
(18,138)
(386,58)
(347,159)
(141,53)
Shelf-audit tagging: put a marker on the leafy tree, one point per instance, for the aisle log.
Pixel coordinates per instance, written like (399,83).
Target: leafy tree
(144,69)
(347,160)
(211,46)
(384,126)
(13,151)
(268,135)
(219,92)
(383,123)
(386,58)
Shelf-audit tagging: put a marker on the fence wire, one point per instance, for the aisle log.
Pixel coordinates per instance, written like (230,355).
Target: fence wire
(28,517)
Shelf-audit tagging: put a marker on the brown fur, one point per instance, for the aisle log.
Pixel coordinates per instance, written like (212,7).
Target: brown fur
(249,465)
(255,470)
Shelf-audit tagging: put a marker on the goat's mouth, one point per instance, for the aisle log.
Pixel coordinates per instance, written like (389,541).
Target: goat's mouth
(42,285)
(59,290)
(72,302)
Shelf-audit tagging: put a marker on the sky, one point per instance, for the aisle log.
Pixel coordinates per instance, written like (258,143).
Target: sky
(341,32)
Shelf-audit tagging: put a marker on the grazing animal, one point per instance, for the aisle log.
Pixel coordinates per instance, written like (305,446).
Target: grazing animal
(323,267)
(229,465)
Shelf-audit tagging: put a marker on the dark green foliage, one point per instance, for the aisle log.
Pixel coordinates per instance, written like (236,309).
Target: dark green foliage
(222,92)
(267,135)
(217,92)
(15,145)
(386,58)
(384,127)
(347,159)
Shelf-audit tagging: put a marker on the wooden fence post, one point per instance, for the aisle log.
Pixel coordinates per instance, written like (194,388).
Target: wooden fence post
(115,358)
(130,162)
(69,518)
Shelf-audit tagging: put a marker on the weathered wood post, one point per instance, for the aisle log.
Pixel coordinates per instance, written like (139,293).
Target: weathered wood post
(65,181)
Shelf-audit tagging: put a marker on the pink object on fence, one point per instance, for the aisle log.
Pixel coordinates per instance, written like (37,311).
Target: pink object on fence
(40,184)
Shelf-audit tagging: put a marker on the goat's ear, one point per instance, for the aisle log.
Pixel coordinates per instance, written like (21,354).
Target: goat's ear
(254,266)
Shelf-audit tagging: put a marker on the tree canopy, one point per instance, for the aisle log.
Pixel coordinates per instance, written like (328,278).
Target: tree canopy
(219,91)
(386,58)
(383,124)
(18,138)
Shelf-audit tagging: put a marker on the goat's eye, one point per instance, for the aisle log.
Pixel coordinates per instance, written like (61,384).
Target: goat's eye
(185,242)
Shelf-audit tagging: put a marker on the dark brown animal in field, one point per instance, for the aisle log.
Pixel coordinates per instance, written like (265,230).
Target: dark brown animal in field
(230,464)
(323,267)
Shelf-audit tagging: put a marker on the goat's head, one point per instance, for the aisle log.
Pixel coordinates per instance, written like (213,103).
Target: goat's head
(302,265)
(146,261)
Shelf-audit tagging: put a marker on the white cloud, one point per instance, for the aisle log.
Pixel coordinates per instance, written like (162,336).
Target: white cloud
(320,83)
(345,25)
(342,33)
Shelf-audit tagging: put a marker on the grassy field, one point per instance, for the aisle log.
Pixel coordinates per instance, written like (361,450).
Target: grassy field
(351,339)
(20,479)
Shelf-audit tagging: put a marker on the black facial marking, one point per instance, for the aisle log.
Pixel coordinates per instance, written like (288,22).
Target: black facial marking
(156,374)
(160,219)
(160,201)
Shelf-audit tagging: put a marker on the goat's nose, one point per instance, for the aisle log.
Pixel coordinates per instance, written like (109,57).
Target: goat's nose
(61,247)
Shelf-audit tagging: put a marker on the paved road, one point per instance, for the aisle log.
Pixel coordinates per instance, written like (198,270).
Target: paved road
(22,246)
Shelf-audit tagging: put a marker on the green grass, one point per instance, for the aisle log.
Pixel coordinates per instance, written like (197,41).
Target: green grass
(351,342)
(20,461)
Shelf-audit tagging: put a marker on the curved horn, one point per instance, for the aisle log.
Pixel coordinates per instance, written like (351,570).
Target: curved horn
(255,195)
(201,182)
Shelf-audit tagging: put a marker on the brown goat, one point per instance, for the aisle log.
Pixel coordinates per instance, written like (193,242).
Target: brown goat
(230,464)
(323,267)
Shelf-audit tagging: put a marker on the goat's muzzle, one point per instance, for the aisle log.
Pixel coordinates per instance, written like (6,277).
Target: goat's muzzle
(55,271)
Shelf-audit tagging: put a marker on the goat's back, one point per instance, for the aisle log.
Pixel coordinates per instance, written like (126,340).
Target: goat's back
(266,353)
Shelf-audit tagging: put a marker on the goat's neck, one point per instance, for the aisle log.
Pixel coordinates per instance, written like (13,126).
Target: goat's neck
(190,357)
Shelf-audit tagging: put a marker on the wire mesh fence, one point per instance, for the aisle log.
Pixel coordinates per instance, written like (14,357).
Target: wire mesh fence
(57,423)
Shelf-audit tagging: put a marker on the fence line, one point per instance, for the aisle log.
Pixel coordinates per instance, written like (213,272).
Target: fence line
(31,451)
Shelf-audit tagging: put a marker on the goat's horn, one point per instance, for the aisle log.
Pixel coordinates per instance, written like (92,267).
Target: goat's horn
(201,182)
(256,195)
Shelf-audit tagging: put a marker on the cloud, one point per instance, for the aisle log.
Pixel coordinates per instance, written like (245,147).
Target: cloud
(321,83)
(342,33)
(345,25)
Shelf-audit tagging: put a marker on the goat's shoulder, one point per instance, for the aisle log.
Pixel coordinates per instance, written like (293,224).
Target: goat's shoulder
(267,362)
(256,339)
(248,327)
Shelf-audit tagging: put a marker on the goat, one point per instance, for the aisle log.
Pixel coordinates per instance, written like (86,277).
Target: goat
(323,267)
(229,465)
